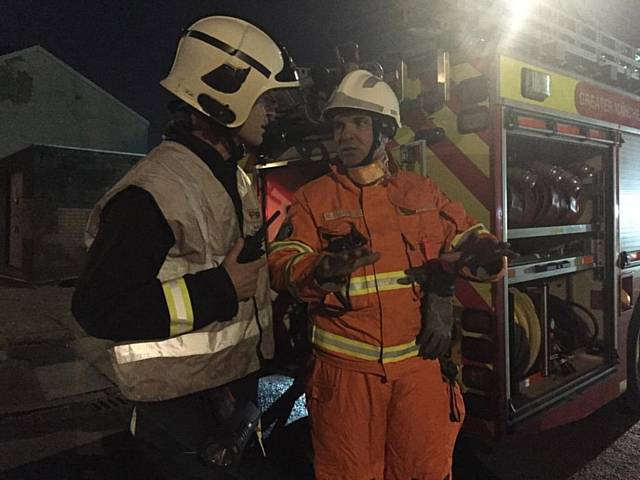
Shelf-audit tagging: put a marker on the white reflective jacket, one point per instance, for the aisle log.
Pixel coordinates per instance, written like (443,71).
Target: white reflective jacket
(205,227)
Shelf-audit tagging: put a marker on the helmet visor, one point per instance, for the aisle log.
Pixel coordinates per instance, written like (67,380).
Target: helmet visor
(226,78)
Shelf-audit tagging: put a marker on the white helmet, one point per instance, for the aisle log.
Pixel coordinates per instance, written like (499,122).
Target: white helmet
(224,64)
(362,90)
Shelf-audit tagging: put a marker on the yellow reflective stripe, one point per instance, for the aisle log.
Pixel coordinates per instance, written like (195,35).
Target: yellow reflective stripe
(187,301)
(459,238)
(410,350)
(289,244)
(168,296)
(366,284)
(335,343)
(178,301)
(287,272)
(323,335)
(363,351)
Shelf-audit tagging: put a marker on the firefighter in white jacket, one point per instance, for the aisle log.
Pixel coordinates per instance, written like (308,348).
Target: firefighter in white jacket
(162,277)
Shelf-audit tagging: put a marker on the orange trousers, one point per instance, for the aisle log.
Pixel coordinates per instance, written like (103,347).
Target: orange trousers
(366,428)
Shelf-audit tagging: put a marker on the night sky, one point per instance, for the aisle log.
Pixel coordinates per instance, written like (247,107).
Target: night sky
(127,47)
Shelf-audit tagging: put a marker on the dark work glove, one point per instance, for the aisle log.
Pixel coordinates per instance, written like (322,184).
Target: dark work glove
(486,252)
(437,326)
(483,257)
(431,277)
(333,268)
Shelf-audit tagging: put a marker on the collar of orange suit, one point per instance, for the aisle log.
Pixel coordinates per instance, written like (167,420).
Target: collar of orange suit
(363,176)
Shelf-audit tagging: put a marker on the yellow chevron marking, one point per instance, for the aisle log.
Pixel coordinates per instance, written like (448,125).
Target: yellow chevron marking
(404,135)
(470,144)
(455,189)
(484,290)
(462,71)
(413,88)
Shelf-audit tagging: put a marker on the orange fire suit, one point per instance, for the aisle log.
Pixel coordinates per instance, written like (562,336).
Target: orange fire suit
(377,411)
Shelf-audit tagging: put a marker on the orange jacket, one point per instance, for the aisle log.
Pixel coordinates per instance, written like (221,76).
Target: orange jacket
(408,220)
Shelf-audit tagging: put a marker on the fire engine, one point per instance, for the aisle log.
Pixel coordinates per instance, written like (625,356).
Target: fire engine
(535,128)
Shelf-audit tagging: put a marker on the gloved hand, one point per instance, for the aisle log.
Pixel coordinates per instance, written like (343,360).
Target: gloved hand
(432,277)
(333,268)
(481,256)
(435,335)
(484,250)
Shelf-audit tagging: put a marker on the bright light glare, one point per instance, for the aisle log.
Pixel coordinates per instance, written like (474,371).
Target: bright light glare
(519,12)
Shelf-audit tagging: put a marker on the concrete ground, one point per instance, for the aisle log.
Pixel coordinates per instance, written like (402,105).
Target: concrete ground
(55,381)
(62,418)
(61,415)
(619,461)
(605,445)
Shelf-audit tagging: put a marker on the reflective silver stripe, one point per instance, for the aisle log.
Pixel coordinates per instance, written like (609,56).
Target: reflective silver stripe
(341,99)
(176,295)
(365,285)
(196,343)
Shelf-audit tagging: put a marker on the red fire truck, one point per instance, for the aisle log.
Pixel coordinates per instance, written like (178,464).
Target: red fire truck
(543,145)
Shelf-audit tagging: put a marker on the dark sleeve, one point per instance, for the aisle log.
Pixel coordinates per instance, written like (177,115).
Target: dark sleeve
(118,296)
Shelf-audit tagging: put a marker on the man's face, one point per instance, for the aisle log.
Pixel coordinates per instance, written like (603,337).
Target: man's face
(252,131)
(353,134)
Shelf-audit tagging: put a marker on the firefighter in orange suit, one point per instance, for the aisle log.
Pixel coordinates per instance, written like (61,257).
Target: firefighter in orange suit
(379,405)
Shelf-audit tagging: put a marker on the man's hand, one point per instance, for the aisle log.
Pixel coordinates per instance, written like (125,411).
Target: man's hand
(244,276)
(333,268)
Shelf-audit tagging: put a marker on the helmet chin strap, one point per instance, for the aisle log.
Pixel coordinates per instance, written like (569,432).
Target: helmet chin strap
(185,121)
(236,150)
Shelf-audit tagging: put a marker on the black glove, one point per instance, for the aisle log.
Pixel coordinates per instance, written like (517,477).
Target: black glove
(435,335)
(333,268)
(482,255)
(431,277)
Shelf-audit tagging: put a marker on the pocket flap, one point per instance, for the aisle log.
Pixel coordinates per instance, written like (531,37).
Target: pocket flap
(410,202)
